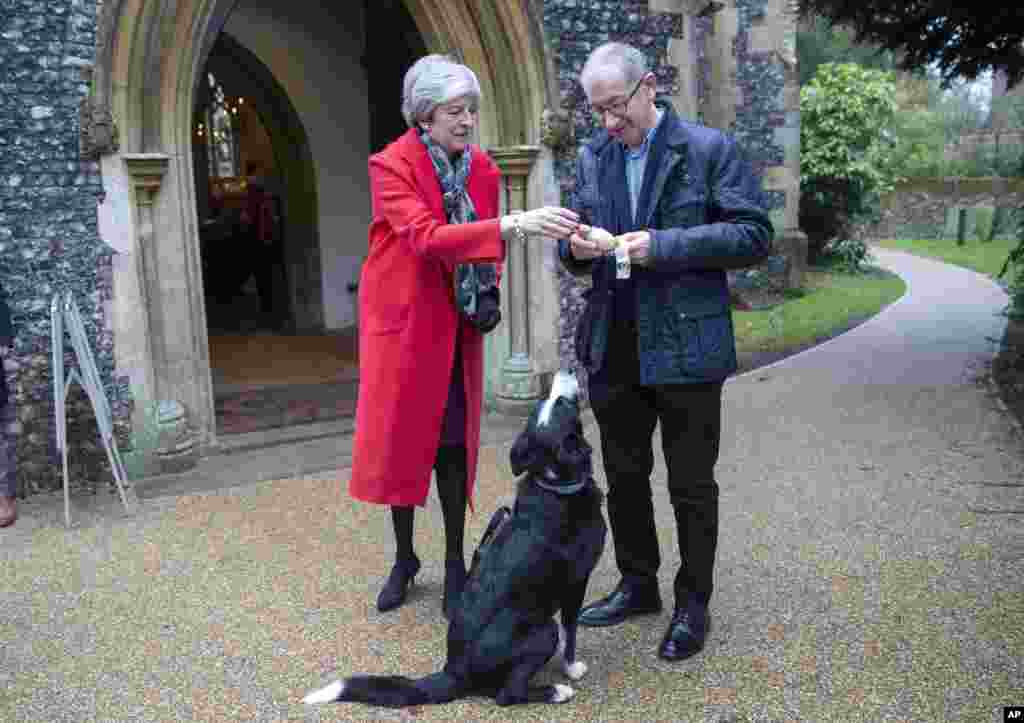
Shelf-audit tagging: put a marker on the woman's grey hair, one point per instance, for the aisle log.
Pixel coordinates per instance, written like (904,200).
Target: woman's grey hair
(432,81)
(630,62)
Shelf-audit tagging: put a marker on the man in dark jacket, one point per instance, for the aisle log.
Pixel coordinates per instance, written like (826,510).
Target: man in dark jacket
(659,343)
(8,507)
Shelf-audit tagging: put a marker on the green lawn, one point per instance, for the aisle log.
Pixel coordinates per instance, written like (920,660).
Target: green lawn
(986,258)
(830,302)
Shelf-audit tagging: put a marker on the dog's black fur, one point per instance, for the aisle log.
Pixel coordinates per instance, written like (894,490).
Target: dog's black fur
(533,561)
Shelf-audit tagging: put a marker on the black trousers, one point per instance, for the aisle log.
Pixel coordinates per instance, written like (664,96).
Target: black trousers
(690,417)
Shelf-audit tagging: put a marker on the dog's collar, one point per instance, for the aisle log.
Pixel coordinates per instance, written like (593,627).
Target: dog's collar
(560,489)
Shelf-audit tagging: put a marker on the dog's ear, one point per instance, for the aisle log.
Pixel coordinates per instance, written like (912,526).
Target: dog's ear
(523,454)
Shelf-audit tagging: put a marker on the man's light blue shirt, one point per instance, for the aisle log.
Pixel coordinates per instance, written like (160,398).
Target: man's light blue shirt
(636,164)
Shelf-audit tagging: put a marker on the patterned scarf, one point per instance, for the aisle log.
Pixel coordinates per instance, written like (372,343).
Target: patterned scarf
(471,280)
(458,206)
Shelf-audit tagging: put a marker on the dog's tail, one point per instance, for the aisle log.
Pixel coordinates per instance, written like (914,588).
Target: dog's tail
(392,691)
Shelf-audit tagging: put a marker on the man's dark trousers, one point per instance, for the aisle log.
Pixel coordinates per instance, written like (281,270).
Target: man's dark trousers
(690,417)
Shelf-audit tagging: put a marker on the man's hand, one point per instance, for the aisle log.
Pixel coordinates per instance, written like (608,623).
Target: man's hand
(639,245)
(586,245)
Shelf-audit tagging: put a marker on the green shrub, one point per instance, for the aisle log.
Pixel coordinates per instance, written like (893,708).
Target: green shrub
(850,255)
(845,148)
(1015,259)
(983,218)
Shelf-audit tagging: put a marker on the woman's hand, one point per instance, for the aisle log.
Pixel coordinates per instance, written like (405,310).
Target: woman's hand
(551,222)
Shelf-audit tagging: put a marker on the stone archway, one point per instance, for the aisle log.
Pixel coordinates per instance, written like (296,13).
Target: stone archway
(149,57)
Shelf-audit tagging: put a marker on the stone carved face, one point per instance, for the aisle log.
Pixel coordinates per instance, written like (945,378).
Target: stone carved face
(556,129)
(98,131)
(103,131)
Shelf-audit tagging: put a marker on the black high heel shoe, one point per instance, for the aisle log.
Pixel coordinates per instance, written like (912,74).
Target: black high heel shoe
(454,582)
(396,587)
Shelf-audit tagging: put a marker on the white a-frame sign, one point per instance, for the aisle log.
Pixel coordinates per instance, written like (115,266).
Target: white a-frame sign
(64,314)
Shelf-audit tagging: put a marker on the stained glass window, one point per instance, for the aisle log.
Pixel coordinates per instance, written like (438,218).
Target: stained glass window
(219,128)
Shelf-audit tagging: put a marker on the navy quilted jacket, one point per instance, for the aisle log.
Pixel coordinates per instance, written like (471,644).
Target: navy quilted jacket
(706,213)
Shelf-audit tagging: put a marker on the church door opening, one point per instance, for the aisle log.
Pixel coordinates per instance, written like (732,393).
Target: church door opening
(239,200)
(280,271)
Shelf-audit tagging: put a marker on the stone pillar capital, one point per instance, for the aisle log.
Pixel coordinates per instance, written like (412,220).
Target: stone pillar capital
(516,161)
(147,172)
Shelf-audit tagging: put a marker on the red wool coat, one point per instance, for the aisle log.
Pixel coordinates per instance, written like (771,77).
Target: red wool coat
(407,322)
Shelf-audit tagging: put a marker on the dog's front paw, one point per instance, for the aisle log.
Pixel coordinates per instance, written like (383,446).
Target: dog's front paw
(574,671)
(327,694)
(562,693)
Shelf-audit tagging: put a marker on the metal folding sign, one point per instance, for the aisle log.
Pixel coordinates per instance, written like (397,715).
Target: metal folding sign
(64,315)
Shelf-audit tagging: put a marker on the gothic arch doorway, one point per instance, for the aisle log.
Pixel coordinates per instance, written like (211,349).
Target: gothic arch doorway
(150,62)
(267,147)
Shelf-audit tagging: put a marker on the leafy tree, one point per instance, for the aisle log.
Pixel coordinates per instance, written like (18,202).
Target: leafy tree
(1010,109)
(845,112)
(963,40)
(818,41)
(928,119)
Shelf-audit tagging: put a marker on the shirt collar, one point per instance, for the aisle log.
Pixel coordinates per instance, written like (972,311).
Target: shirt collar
(641,151)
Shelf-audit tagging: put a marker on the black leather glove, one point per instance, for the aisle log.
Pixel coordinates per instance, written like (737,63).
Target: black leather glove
(477,296)
(488,310)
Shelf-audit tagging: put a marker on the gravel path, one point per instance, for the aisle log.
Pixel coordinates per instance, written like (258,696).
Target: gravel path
(870,564)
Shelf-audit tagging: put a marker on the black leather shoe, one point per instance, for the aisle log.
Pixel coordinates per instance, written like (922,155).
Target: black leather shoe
(397,585)
(686,633)
(454,582)
(625,602)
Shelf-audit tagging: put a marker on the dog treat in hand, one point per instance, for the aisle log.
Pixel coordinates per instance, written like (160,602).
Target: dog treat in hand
(605,238)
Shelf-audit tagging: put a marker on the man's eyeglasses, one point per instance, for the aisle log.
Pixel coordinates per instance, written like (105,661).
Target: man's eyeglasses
(616,109)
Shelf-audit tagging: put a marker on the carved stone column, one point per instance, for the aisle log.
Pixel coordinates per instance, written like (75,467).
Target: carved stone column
(519,385)
(794,241)
(176,447)
(146,171)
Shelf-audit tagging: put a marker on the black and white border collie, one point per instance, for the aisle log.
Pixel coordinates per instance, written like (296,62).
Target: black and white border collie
(533,561)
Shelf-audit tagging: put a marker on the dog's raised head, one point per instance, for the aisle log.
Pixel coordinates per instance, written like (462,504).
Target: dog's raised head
(551,448)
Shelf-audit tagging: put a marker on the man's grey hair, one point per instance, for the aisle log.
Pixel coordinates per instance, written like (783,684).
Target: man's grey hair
(432,81)
(624,59)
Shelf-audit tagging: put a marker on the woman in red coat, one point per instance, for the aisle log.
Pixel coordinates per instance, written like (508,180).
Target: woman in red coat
(435,205)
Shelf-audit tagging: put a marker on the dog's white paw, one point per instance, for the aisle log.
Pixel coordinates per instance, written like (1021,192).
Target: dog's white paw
(574,671)
(562,693)
(327,694)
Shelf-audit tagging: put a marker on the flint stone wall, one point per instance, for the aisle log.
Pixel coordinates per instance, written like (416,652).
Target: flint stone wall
(918,208)
(49,241)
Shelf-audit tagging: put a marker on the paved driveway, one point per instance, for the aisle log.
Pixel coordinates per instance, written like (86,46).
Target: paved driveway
(869,568)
